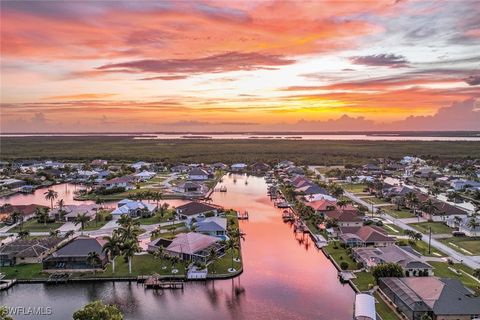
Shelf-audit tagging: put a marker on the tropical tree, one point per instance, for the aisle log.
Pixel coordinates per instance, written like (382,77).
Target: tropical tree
(232,245)
(212,257)
(112,248)
(23,234)
(54,233)
(93,258)
(335,190)
(473,223)
(429,207)
(157,197)
(41,214)
(16,216)
(51,195)
(163,209)
(60,204)
(398,201)
(97,310)
(125,220)
(386,270)
(160,254)
(82,219)
(128,249)
(175,260)
(412,201)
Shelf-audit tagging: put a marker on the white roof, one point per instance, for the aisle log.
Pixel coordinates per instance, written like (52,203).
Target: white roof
(365,307)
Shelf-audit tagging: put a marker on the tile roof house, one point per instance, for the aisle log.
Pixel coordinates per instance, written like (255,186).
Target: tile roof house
(191,246)
(73,256)
(348,218)
(72,211)
(212,226)
(134,208)
(441,298)
(120,182)
(372,256)
(31,250)
(190,187)
(259,167)
(195,209)
(198,174)
(27,211)
(365,236)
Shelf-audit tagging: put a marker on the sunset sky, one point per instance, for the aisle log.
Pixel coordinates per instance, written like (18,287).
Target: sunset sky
(124,66)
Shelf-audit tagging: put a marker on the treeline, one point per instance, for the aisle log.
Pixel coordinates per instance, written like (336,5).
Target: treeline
(324,152)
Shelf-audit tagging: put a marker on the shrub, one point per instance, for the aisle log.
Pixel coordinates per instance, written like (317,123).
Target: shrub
(343,265)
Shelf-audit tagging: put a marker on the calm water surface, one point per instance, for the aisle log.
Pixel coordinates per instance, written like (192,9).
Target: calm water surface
(285,277)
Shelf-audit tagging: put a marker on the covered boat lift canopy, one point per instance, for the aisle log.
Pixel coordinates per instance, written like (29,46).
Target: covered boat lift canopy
(364,307)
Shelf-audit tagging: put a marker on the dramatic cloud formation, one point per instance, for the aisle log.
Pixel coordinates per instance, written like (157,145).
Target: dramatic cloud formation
(238,65)
(381,60)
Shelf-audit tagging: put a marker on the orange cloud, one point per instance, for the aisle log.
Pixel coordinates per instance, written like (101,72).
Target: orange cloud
(81,96)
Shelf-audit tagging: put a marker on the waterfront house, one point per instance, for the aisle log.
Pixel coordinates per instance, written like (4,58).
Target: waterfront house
(70,212)
(195,209)
(144,176)
(344,218)
(181,168)
(190,188)
(11,183)
(212,226)
(26,251)
(140,165)
(412,265)
(440,298)
(191,246)
(126,182)
(219,166)
(461,184)
(259,167)
(73,257)
(464,225)
(310,188)
(365,236)
(134,209)
(27,211)
(236,167)
(318,196)
(198,174)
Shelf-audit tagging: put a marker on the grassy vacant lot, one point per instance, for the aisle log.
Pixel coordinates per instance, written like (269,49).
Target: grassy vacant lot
(34,226)
(437,227)
(422,248)
(208,151)
(393,229)
(145,264)
(442,270)
(92,225)
(472,245)
(399,214)
(340,255)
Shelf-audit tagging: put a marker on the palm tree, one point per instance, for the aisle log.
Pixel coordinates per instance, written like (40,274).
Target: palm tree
(129,232)
(157,197)
(125,220)
(93,259)
(160,254)
(60,204)
(129,248)
(174,260)
(473,224)
(16,216)
(232,245)
(413,201)
(23,234)
(163,209)
(41,214)
(100,202)
(54,233)
(429,207)
(212,257)
(82,219)
(112,248)
(51,195)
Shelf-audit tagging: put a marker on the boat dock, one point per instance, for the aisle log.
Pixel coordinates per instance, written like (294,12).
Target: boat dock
(242,216)
(7,284)
(155,283)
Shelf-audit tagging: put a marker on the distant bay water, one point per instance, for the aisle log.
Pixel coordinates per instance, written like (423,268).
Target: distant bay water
(369,136)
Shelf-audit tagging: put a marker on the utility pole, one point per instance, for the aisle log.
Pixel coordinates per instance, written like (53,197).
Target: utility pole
(429,240)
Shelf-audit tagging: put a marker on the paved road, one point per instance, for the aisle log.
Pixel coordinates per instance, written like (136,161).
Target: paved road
(471,261)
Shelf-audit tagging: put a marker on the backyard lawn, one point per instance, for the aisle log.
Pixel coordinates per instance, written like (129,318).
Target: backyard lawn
(437,227)
(145,264)
(222,264)
(442,270)
(384,310)
(34,226)
(157,218)
(23,271)
(374,200)
(465,245)
(92,225)
(363,280)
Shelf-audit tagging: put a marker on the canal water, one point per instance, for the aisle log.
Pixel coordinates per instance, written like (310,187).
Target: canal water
(285,277)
